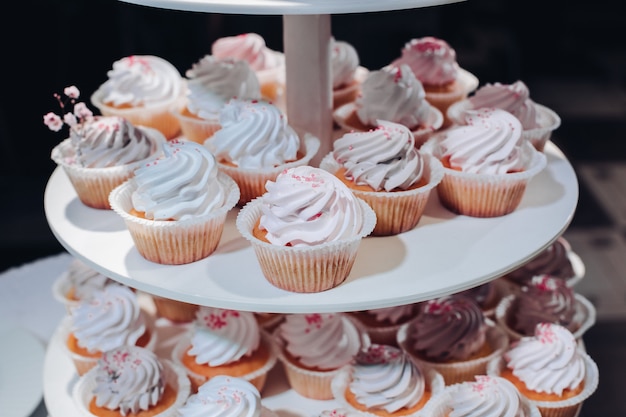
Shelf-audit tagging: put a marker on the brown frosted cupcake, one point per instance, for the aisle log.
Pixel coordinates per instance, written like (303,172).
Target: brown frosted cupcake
(383,168)
(382,324)
(306,229)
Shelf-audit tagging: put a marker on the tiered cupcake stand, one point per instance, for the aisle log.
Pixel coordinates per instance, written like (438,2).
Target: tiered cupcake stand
(444,254)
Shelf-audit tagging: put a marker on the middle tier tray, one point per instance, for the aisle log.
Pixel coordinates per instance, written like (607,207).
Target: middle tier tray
(444,254)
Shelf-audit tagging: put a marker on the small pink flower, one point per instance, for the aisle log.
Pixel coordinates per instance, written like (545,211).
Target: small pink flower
(53,121)
(81,111)
(71,92)
(70,119)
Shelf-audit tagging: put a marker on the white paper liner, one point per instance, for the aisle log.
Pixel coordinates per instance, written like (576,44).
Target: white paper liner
(158,116)
(304,268)
(339,384)
(396,211)
(82,393)
(251,182)
(461,370)
(257,377)
(584,317)
(196,129)
(439,406)
(566,408)
(485,195)
(175,242)
(93,185)
(174,310)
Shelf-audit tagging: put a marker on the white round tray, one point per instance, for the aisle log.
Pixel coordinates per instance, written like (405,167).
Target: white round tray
(445,253)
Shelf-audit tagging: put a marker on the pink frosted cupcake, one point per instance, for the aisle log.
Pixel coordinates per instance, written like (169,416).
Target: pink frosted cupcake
(550,369)
(255,144)
(452,336)
(383,168)
(225,342)
(175,207)
(268,64)
(433,61)
(101,152)
(382,324)
(487,164)
(306,229)
(130,380)
(142,89)
(77,283)
(347,74)
(538,122)
(392,94)
(313,349)
(211,83)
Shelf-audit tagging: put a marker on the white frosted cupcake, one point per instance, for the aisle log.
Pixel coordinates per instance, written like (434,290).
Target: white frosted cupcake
(487,165)
(306,229)
(142,89)
(131,381)
(347,74)
(383,168)
(76,283)
(255,144)
(175,207)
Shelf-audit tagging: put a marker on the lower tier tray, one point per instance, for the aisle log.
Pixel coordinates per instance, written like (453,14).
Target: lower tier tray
(445,253)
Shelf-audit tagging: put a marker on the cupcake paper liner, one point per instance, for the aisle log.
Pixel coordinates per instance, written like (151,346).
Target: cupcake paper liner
(174,310)
(569,407)
(82,393)
(467,82)
(584,317)
(459,371)
(304,269)
(196,129)
(396,211)
(251,182)
(175,242)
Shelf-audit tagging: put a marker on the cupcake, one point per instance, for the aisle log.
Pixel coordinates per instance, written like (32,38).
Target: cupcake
(100,152)
(487,296)
(174,310)
(211,83)
(382,324)
(487,164)
(383,168)
(77,283)
(313,349)
(395,95)
(452,336)
(255,144)
(550,369)
(269,321)
(433,61)
(538,122)
(225,396)
(268,64)
(110,318)
(142,89)
(175,207)
(486,395)
(347,74)
(306,229)
(225,342)
(545,300)
(383,381)
(130,380)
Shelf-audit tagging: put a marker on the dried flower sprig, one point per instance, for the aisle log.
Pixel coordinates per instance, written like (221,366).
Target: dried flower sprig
(78,114)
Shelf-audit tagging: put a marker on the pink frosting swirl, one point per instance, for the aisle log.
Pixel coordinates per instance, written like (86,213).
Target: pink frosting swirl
(514,98)
(432,60)
(553,261)
(249,47)
(448,328)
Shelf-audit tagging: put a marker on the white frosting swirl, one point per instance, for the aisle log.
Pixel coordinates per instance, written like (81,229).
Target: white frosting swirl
(383,377)
(393,94)
(487,396)
(223,336)
(141,80)
(249,47)
(254,134)
(84,280)
(110,318)
(129,379)
(308,206)
(550,361)
(344,61)
(322,341)
(223,396)
(211,82)
(432,60)
(182,184)
(384,158)
(488,144)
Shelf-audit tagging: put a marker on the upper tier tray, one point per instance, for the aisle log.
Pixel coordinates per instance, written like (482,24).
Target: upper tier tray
(445,253)
(289,7)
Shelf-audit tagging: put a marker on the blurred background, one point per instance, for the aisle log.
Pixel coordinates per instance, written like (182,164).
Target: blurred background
(570,54)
